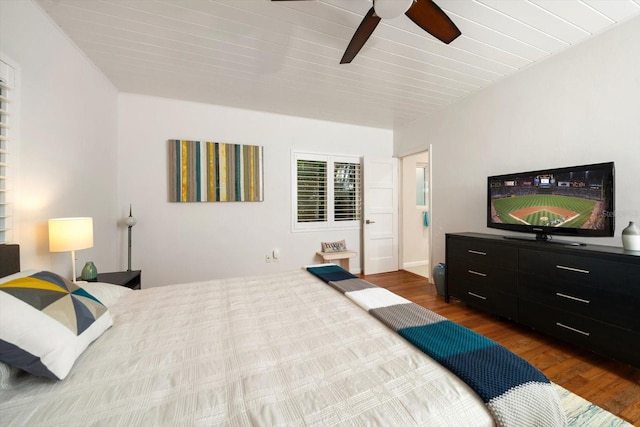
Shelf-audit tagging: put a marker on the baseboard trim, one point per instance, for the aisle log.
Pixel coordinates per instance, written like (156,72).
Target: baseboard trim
(415,264)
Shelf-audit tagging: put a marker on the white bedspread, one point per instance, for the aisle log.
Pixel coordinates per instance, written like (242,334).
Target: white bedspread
(285,349)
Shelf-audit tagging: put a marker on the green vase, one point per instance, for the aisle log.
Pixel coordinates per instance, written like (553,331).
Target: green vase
(89,272)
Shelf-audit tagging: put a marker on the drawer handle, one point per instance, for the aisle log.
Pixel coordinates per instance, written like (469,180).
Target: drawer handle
(586,301)
(471,251)
(573,329)
(477,273)
(476,295)
(577,270)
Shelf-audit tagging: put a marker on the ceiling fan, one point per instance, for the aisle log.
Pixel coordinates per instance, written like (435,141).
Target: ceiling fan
(424,13)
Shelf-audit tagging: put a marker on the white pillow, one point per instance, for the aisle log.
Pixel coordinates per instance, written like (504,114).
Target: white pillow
(107,293)
(46,322)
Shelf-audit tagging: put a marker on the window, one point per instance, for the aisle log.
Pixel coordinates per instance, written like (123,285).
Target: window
(327,192)
(6,83)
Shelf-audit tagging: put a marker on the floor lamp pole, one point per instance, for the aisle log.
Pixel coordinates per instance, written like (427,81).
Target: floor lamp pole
(130,221)
(129,250)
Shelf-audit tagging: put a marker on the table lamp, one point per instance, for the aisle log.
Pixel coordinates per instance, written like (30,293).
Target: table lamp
(70,234)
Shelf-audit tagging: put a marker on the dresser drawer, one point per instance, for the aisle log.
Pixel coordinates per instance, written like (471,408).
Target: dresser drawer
(602,338)
(484,274)
(481,251)
(487,299)
(606,304)
(491,276)
(585,270)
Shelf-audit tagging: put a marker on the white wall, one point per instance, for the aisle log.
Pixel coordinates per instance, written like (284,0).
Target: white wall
(181,242)
(579,107)
(66,149)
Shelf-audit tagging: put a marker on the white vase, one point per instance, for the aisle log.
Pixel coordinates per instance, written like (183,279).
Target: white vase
(631,237)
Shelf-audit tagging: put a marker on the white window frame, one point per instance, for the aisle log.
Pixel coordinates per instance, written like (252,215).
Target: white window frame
(330,223)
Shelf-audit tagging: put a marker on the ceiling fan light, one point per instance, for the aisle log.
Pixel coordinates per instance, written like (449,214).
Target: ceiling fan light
(388,9)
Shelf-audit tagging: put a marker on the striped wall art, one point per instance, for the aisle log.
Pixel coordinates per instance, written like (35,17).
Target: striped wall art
(202,171)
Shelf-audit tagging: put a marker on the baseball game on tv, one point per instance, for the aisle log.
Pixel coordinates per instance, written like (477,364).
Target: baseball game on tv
(574,201)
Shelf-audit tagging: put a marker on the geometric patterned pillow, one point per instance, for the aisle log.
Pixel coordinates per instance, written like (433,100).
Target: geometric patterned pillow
(57,297)
(338,246)
(46,322)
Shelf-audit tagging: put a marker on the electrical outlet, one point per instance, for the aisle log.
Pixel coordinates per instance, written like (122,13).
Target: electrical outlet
(267,258)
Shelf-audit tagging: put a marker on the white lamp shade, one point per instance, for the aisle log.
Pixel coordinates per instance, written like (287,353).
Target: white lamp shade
(70,234)
(389,9)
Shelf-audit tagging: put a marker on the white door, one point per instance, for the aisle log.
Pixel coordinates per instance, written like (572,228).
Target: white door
(380,218)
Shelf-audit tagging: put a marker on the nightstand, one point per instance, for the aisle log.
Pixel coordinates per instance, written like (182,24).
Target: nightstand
(130,279)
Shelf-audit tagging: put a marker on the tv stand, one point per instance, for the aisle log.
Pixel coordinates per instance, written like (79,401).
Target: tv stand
(545,238)
(585,295)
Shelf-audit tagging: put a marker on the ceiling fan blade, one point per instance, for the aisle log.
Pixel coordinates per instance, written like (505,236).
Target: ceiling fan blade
(428,16)
(362,34)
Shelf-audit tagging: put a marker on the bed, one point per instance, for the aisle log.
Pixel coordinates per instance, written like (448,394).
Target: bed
(282,349)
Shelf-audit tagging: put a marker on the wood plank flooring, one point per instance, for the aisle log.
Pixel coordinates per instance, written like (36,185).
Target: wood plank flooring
(611,385)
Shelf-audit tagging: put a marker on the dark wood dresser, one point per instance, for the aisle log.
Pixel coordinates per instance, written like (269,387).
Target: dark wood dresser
(586,295)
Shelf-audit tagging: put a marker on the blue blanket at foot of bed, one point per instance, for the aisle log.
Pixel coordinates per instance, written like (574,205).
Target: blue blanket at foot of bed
(514,391)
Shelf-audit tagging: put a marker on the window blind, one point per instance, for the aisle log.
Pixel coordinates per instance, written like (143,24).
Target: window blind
(312,190)
(5,215)
(346,191)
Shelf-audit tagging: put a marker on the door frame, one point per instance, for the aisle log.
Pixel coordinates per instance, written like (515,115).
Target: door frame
(402,215)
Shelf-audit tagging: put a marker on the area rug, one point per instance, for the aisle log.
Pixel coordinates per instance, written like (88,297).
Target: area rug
(582,413)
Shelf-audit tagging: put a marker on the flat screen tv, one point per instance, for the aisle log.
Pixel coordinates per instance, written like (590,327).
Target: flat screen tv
(572,201)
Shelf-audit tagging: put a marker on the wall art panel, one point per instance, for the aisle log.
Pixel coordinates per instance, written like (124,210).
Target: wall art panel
(202,171)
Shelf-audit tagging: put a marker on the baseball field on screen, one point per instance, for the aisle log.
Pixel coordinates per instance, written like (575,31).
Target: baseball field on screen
(544,210)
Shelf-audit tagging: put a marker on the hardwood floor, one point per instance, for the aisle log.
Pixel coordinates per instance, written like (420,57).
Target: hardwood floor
(611,385)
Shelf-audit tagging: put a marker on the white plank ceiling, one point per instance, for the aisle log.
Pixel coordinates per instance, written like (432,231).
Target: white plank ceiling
(283,57)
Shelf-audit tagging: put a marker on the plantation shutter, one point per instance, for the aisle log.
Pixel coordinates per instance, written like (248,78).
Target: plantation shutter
(7,82)
(312,190)
(346,191)
(5,218)
(326,192)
